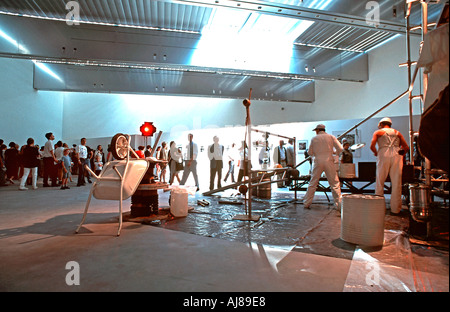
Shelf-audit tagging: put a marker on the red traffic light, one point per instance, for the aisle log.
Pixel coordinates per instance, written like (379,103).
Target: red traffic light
(147,129)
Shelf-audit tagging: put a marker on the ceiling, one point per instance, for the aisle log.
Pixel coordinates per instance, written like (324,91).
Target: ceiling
(332,32)
(343,20)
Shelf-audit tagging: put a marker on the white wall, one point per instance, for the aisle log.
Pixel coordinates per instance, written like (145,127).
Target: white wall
(24,111)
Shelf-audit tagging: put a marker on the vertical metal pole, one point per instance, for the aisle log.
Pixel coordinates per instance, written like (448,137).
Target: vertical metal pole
(295,151)
(411,126)
(425,82)
(249,160)
(158,137)
(424,32)
(425,87)
(145,142)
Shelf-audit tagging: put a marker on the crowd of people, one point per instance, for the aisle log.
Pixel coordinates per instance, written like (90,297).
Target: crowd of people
(282,156)
(57,163)
(175,161)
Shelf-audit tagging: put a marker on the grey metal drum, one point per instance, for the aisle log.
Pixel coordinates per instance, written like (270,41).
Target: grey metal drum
(420,202)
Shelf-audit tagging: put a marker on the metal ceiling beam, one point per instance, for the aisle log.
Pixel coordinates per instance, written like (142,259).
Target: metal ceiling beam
(298,12)
(76,78)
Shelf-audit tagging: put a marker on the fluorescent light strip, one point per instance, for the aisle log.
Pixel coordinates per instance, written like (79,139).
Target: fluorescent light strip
(327,47)
(100,23)
(372,39)
(175,69)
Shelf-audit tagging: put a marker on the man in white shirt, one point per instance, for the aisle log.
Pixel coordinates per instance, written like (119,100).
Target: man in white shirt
(279,158)
(290,154)
(82,157)
(163,155)
(50,169)
(215,155)
(190,162)
(321,149)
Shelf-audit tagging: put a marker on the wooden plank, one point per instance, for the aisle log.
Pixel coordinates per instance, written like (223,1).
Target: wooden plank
(233,185)
(254,179)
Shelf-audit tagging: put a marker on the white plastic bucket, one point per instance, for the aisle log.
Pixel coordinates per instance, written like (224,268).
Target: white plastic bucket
(179,203)
(362,219)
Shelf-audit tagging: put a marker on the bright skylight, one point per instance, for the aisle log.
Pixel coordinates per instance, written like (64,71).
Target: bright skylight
(241,40)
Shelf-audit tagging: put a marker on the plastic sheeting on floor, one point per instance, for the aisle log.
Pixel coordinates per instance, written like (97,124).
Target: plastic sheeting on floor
(287,232)
(391,269)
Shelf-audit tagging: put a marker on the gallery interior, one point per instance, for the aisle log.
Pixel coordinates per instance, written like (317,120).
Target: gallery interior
(250,205)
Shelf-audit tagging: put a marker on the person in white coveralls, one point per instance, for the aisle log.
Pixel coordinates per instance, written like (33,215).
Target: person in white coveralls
(391,148)
(322,148)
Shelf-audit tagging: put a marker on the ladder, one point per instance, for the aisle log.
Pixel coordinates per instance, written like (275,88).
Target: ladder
(424,26)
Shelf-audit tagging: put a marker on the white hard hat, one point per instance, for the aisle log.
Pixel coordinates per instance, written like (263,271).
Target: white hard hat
(386,120)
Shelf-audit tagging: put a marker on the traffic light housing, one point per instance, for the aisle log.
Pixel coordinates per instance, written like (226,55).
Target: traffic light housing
(147,129)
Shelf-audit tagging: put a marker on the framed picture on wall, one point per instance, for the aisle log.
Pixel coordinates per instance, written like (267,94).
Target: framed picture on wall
(302,145)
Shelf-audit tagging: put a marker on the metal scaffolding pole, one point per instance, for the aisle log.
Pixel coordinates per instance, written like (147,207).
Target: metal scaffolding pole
(410,96)
(247,163)
(425,83)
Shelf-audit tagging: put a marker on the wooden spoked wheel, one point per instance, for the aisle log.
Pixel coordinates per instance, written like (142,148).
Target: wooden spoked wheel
(119,146)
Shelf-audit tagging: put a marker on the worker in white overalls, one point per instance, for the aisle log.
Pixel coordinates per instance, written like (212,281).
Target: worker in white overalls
(391,148)
(321,149)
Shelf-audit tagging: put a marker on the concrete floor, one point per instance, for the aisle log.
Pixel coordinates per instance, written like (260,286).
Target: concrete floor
(289,249)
